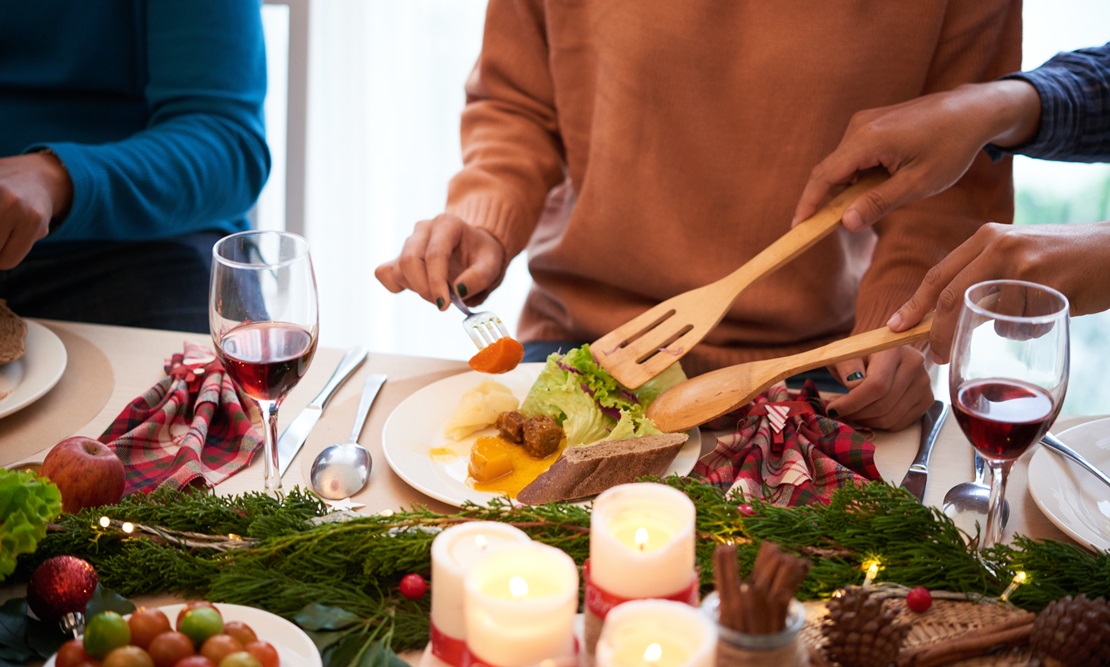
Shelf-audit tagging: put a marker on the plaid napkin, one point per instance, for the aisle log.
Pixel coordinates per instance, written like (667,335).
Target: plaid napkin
(787,451)
(189,428)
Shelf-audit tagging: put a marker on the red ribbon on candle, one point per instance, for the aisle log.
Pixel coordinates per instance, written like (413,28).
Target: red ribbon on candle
(600,601)
(448,649)
(455,652)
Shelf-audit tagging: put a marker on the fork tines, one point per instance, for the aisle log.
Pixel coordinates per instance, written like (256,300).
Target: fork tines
(485,328)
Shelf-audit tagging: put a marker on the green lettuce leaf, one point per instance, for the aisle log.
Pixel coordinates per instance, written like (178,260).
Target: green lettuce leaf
(589,403)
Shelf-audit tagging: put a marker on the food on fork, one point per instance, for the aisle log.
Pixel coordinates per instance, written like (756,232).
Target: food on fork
(13,335)
(590,469)
(479,408)
(500,356)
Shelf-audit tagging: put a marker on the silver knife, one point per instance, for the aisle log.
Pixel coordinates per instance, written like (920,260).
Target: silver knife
(918,474)
(294,436)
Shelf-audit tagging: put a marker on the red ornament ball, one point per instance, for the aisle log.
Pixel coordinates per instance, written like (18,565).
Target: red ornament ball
(745,509)
(61,585)
(413,586)
(919,599)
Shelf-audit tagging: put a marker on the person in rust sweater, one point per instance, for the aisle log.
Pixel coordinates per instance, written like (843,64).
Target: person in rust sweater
(637,150)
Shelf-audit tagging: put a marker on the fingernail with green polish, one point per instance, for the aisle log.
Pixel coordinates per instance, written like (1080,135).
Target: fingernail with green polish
(833,413)
(461,290)
(439,302)
(852,377)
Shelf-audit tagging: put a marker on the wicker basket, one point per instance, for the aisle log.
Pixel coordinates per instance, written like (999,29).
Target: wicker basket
(945,620)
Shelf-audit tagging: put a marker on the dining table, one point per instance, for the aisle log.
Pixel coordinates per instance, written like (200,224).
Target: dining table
(109,366)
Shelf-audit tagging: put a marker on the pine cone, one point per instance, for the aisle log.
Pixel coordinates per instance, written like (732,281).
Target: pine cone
(859,632)
(1073,632)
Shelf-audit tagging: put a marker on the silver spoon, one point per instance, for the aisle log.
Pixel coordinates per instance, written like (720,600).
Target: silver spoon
(967,502)
(340,471)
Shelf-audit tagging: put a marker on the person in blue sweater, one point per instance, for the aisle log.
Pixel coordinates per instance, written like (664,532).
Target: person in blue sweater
(131,139)
(1058,111)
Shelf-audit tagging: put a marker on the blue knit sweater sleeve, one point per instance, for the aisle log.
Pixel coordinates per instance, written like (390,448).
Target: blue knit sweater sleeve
(202,159)
(1074,88)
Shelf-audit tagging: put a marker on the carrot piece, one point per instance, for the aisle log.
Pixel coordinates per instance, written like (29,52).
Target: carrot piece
(501,356)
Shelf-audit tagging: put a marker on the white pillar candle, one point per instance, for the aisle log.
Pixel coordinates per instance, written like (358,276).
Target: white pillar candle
(454,552)
(656,633)
(642,541)
(520,604)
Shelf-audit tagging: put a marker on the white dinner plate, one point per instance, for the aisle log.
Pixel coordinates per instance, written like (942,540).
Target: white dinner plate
(30,377)
(415,428)
(294,647)
(1072,498)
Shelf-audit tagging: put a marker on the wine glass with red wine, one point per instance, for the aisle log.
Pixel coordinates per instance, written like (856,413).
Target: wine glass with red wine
(1008,376)
(264,319)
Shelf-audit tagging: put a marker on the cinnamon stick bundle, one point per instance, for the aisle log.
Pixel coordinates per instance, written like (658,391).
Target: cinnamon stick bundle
(760,604)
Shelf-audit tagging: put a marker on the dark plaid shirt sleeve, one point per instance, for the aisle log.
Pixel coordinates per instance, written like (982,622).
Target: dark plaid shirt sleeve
(1075,108)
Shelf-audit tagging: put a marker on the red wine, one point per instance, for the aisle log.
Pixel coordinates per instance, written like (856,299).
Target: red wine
(267,359)
(1002,418)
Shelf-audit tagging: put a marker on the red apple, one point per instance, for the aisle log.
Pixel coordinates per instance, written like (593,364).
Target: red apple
(86,471)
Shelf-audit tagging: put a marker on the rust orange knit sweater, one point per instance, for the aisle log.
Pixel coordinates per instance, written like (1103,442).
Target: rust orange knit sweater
(641,148)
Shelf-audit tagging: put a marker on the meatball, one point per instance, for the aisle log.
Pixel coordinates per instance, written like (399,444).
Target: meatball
(542,435)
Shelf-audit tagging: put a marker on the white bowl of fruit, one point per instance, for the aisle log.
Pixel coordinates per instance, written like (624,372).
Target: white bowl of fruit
(193,634)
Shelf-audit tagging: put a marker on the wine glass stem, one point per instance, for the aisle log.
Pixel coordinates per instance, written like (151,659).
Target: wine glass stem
(271,485)
(999,472)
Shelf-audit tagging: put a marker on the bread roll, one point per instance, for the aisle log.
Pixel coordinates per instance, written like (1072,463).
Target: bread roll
(13,335)
(590,469)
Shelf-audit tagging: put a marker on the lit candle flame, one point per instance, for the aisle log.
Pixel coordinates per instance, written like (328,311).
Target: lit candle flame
(518,587)
(481,541)
(652,653)
(641,538)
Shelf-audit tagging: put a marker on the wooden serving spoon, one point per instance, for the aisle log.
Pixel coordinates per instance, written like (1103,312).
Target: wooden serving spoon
(646,345)
(708,396)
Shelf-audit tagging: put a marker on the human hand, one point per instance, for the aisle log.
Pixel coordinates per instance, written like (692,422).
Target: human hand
(1074,259)
(34,189)
(443,254)
(894,391)
(927,144)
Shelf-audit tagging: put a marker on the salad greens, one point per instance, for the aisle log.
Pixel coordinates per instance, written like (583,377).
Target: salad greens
(589,403)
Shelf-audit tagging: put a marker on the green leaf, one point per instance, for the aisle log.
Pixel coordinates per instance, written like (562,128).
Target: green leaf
(105,599)
(45,638)
(323,617)
(13,624)
(380,655)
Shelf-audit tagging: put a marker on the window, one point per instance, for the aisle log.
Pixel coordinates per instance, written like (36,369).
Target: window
(385,91)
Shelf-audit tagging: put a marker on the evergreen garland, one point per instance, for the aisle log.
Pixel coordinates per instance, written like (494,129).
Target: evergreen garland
(253,550)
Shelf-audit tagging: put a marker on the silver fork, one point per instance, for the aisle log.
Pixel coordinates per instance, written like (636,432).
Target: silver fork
(483,327)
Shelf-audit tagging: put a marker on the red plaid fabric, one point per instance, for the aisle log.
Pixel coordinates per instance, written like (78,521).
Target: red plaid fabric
(188,428)
(804,461)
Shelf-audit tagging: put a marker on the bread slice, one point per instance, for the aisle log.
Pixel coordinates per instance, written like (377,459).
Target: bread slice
(590,469)
(13,335)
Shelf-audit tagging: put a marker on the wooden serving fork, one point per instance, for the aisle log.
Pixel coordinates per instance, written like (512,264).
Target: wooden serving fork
(646,345)
(709,396)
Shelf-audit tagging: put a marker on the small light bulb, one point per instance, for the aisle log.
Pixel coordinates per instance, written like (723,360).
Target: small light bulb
(105,522)
(128,527)
(1019,579)
(872,569)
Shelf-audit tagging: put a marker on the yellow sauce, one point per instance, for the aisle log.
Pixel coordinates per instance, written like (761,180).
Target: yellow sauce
(443,454)
(525,468)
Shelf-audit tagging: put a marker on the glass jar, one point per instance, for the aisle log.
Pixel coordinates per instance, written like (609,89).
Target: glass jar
(775,649)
